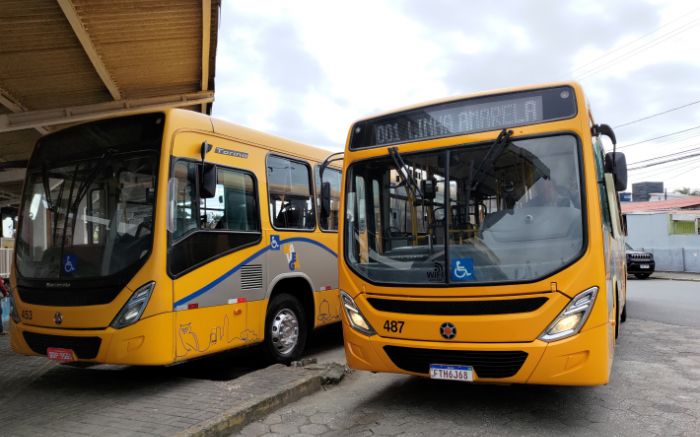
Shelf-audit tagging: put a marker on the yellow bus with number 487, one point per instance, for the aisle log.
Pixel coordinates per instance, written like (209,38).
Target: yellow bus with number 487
(481,240)
(161,237)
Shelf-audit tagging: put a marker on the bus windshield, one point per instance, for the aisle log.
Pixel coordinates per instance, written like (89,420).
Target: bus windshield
(507,211)
(89,199)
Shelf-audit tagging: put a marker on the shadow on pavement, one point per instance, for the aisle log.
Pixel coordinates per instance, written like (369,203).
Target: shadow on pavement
(223,366)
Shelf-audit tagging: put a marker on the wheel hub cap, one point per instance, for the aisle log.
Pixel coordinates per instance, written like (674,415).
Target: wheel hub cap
(285,331)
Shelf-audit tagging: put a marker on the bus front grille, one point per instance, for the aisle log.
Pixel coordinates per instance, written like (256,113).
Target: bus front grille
(84,347)
(487,364)
(457,308)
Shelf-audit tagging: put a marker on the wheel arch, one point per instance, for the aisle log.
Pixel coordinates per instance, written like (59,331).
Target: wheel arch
(300,286)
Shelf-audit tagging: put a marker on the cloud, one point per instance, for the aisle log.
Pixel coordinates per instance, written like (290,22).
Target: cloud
(307,70)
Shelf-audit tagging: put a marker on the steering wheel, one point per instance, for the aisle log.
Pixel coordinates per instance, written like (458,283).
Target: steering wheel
(143,225)
(389,230)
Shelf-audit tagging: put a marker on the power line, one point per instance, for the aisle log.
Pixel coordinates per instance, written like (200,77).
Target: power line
(646,46)
(657,114)
(581,67)
(682,173)
(680,158)
(653,172)
(665,156)
(659,137)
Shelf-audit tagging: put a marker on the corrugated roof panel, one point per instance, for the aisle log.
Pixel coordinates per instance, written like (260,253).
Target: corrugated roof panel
(43,63)
(148,47)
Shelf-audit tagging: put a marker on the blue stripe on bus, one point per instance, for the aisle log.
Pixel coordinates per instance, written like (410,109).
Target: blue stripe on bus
(221,278)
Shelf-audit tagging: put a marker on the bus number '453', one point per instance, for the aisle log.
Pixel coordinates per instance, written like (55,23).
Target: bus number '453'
(393,326)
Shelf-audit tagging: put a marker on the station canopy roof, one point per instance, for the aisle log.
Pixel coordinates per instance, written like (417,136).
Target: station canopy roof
(68,61)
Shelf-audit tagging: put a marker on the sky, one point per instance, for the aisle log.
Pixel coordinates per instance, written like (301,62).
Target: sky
(306,70)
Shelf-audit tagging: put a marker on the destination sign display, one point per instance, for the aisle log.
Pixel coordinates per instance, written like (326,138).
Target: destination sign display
(466,116)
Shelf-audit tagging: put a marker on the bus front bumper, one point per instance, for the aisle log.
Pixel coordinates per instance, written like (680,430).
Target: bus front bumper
(147,342)
(582,359)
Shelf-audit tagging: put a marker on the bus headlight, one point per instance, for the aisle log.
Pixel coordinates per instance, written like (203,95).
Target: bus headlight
(571,319)
(354,315)
(13,310)
(132,310)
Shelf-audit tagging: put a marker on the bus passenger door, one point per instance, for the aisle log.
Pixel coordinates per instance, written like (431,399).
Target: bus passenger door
(208,258)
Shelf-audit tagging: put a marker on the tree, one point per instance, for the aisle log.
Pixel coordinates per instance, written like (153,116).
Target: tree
(687,191)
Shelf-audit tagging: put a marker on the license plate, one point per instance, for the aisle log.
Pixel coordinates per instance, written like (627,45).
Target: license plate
(644,266)
(61,355)
(452,373)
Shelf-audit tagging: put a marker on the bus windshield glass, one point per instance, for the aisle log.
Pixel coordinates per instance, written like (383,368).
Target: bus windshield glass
(88,204)
(507,211)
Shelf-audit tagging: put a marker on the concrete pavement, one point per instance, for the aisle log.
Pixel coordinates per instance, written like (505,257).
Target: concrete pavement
(654,391)
(206,397)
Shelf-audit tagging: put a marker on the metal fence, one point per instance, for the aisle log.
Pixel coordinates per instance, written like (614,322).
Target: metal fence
(5,262)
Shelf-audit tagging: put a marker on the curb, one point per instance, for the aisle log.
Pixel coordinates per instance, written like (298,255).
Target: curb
(673,277)
(311,380)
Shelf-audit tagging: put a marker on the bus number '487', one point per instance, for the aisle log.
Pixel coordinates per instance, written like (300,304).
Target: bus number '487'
(393,326)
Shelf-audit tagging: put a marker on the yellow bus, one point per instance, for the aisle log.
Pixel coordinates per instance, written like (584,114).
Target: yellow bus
(482,241)
(160,237)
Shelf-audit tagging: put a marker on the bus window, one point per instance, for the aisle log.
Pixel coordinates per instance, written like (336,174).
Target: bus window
(328,220)
(289,185)
(233,207)
(185,174)
(209,227)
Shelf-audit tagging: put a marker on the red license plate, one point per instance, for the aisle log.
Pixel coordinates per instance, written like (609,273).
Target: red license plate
(60,354)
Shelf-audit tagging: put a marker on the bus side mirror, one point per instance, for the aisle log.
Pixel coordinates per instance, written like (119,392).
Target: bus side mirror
(207,185)
(325,199)
(616,163)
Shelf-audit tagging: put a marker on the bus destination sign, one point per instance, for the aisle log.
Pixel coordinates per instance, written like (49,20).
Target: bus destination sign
(466,116)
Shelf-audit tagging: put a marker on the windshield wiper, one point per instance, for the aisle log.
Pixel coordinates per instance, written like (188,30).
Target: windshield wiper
(47,189)
(82,190)
(405,174)
(495,150)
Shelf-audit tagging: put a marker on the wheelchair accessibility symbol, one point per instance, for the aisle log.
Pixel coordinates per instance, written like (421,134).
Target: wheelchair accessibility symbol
(274,242)
(462,269)
(69,263)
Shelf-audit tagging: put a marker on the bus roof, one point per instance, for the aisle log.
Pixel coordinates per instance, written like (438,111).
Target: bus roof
(246,135)
(573,84)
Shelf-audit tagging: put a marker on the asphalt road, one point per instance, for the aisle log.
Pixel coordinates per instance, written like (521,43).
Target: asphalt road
(673,302)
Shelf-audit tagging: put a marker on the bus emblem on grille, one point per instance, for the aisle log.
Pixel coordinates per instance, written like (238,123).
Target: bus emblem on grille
(448,330)
(58,318)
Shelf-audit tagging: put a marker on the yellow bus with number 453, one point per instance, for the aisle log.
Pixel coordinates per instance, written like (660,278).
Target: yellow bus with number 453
(161,237)
(481,240)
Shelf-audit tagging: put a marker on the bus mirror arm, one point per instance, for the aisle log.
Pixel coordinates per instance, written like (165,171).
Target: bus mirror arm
(206,148)
(338,156)
(604,129)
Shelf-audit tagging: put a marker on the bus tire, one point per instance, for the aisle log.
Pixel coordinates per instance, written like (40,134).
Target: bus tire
(623,317)
(285,329)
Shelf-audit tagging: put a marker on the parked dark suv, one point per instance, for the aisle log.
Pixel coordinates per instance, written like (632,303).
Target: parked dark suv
(639,263)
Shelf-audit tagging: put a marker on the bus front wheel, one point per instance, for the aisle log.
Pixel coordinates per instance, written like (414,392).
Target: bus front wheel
(285,329)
